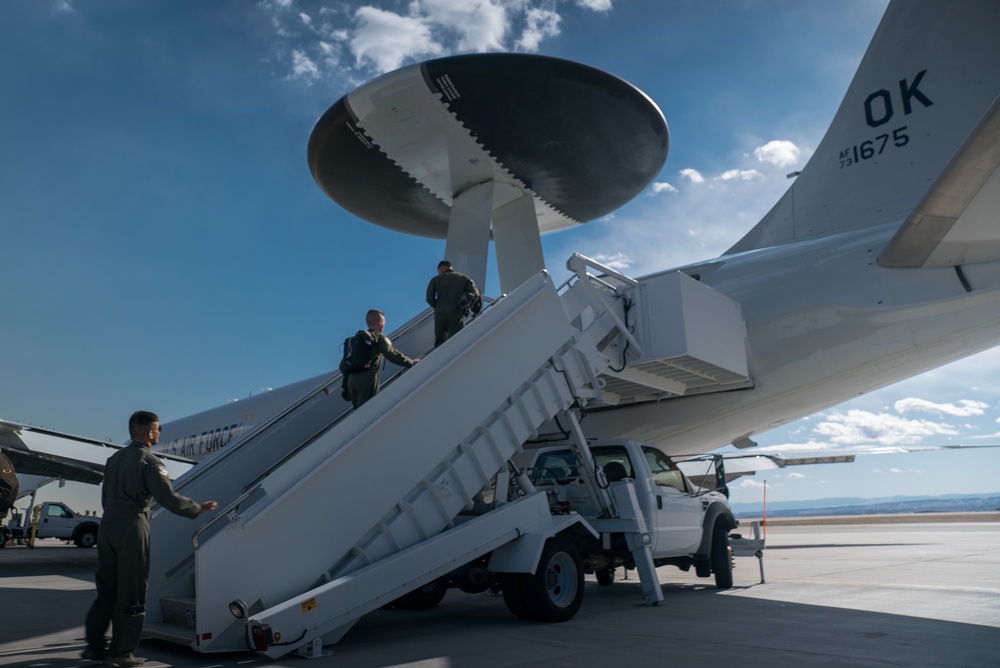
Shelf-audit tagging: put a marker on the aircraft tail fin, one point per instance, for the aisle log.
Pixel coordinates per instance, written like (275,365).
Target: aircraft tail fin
(922,89)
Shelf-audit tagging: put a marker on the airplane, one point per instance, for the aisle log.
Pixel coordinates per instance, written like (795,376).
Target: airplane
(42,456)
(881,261)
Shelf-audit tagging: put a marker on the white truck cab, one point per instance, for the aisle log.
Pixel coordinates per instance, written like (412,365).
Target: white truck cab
(686,524)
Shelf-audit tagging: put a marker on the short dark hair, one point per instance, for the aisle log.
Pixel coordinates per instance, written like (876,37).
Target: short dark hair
(141,419)
(371,318)
(444,264)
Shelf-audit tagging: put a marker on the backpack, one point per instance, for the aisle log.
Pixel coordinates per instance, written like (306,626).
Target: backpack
(8,485)
(359,350)
(470,302)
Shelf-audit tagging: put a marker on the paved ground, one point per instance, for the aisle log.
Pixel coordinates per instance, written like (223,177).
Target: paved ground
(836,595)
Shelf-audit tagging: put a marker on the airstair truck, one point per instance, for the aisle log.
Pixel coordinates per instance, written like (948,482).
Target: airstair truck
(418,483)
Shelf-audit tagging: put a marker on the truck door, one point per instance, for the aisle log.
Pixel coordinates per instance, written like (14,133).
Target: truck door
(678,510)
(56,522)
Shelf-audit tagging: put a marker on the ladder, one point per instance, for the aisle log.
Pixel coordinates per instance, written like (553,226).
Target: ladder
(346,511)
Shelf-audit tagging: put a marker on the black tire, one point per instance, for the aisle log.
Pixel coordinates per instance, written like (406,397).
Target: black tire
(86,537)
(512,586)
(554,592)
(423,598)
(605,576)
(722,560)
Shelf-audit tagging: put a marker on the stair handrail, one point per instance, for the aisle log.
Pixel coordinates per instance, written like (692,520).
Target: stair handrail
(254,485)
(578,265)
(328,381)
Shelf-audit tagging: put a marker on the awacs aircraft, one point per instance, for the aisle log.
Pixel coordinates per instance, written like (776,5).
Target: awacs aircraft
(881,261)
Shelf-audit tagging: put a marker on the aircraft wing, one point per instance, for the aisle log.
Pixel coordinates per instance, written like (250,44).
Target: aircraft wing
(52,454)
(956,222)
(700,470)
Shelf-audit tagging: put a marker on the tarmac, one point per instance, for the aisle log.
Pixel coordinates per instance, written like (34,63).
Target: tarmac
(879,594)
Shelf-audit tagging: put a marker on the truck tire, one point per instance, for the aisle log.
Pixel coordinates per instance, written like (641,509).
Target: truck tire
(422,598)
(722,560)
(605,576)
(554,592)
(512,587)
(86,537)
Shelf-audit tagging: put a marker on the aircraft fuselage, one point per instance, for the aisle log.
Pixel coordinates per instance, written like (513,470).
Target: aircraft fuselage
(825,323)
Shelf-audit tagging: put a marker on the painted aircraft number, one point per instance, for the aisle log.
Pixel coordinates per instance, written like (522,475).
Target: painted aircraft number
(869,149)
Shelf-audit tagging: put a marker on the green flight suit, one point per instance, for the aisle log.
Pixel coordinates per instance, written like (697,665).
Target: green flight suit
(133,476)
(445,293)
(364,385)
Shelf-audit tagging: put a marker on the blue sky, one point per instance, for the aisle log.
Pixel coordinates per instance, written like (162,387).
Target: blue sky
(166,248)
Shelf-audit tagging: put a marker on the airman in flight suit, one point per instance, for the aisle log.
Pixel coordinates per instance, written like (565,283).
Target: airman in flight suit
(363,385)
(133,476)
(449,292)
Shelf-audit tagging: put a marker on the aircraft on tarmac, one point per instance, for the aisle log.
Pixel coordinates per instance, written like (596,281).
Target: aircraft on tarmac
(880,262)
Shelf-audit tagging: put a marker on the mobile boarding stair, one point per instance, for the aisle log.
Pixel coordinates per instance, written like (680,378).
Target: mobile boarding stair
(371,507)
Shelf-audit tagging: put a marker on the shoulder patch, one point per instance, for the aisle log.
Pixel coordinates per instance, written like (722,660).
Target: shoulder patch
(162,470)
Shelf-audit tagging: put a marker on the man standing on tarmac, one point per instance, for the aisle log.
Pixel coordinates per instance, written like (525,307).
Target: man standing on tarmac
(449,293)
(132,477)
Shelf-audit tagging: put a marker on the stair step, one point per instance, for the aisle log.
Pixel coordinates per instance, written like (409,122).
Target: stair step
(179,611)
(182,635)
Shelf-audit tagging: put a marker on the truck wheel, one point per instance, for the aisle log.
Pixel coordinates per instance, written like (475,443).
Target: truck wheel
(722,561)
(512,586)
(86,537)
(605,576)
(555,591)
(4,537)
(423,598)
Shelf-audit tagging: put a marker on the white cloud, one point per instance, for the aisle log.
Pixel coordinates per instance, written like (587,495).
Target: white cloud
(793,474)
(596,5)
(692,175)
(749,483)
(540,23)
(858,426)
(780,153)
(303,67)
(699,220)
(380,40)
(480,24)
(618,261)
(661,187)
(386,40)
(740,175)
(63,7)
(963,408)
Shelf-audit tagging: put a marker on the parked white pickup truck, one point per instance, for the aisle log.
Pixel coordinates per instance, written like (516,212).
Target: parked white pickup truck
(687,525)
(651,503)
(55,520)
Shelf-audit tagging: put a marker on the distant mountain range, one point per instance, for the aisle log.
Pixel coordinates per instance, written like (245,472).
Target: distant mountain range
(949,503)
